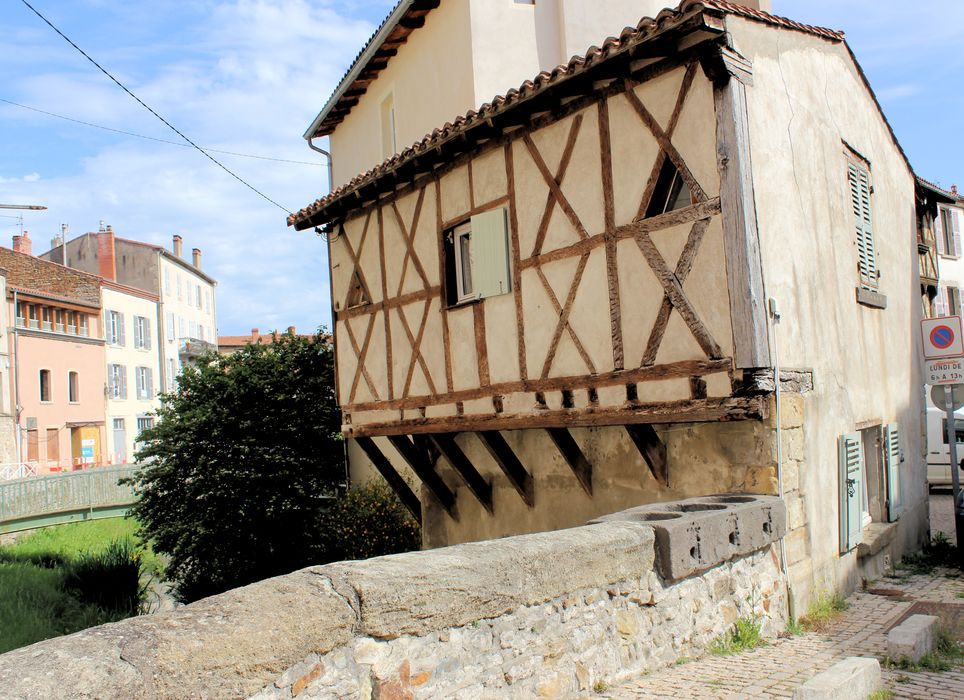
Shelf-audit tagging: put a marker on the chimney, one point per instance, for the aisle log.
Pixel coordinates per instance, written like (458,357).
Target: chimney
(23,244)
(254,334)
(291,330)
(106,266)
(953,189)
(196,252)
(177,245)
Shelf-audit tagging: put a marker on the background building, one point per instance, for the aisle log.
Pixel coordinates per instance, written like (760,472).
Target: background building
(58,360)
(187,308)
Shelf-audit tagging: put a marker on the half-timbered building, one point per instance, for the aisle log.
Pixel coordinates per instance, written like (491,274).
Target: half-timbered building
(577,297)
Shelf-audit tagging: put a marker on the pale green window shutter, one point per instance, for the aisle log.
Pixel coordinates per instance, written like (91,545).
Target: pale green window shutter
(863,222)
(851,463)
(892,469)
(490,254)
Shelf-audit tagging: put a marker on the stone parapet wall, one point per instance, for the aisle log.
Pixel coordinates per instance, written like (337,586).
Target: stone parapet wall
(551,614)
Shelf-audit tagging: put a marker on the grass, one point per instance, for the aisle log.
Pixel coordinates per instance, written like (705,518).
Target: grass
(882,694)
(824,611)
(939,552)
(743,636)
(794,628)
(947,655)
(600,686)
(66,578)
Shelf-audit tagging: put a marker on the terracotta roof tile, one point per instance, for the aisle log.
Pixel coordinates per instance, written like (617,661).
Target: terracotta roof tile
(630,36)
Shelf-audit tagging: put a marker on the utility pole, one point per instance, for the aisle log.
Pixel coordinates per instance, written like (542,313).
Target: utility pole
(18,440)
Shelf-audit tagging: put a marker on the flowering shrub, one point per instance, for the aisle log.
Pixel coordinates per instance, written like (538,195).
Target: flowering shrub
(368,520)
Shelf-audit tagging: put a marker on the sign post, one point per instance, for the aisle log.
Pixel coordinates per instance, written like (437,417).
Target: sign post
(944,365)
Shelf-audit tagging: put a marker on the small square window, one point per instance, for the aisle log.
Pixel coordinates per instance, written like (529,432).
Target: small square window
(477,258)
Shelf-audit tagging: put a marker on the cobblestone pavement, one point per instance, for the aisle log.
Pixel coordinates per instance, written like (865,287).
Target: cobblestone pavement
(942,513)
(775,670)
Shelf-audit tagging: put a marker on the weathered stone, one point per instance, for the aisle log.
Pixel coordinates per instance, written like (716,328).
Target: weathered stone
(232,644)
(761,479)
(791,410)
(854,677)
(301,683)
(912,638)
(626,623)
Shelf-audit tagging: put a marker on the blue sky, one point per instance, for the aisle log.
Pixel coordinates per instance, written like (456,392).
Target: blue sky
(249,75)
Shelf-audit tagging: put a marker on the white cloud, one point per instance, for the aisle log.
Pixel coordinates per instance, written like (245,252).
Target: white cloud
(253,75)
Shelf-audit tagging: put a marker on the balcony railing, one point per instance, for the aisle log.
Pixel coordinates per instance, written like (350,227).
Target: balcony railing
(52,327)
(192,348)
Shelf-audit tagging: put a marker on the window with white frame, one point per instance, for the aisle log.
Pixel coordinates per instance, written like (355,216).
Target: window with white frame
(477,258)
(167,281)
(145,382)
(181,327)
(197,295)
(142,333)
(116,381)
(207,300)
(144,423)
(170,326)
(114,321)
(949,233)
(171,373)
(178,278)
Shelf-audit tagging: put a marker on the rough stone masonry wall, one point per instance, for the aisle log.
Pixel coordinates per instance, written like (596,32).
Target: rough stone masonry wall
(543,615)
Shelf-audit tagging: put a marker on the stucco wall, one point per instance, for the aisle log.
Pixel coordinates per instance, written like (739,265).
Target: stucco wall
(806,100)
(131,357)
(431,79)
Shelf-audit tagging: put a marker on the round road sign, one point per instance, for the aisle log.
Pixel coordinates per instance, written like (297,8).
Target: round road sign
(957,396)
(942,337)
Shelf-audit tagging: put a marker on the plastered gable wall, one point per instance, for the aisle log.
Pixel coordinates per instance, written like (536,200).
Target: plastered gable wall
(806,99)
(431,79)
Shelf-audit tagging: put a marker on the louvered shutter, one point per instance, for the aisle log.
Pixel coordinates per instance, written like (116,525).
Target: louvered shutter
(939,232)
(940,302)
(122,373)
(490,253)
(850,463)
(120,329)
(956,231)
(892,469)
(147,333)
(863,222)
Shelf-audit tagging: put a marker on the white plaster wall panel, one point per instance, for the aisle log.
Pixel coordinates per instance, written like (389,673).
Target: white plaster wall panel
(401,348)
(426,236)
(488,176)
(678,343)
(806,99)
(501,338)
(531,192)
(641,295)
(396,253)
(583,184)
(634,152)
(695,135)
(432,348)
(478,407)
(465,360)
(659,96)
(455,195)
(369,255)
(718,385)
(375,361)
(707,289)
(431,78)
(588,23)
(536,306)
(419,385)
(347,359)
(664,390)
(589,317)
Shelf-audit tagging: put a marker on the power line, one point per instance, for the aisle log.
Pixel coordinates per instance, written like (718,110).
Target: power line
(145,106)
(154,138)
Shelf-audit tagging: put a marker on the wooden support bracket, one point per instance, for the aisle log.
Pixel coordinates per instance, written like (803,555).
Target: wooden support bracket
(577,461)
(509,463)
(394,479)
(652,449)
(425,471)
(470,475)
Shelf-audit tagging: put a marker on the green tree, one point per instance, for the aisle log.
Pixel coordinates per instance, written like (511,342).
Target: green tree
(243,460)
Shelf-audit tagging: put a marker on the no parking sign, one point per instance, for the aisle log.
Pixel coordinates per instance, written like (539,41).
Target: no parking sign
(943,350)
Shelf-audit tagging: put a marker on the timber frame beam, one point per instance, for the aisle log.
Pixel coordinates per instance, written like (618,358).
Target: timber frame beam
(425,471)
(571,452)
(394,479)
(510,465)
(450,449)
(652,449)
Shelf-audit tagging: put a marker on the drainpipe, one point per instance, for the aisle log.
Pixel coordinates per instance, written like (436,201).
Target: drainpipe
(16,383)
(775,317)
(326,154)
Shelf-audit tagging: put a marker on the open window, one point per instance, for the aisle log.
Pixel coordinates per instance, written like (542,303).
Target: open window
(670,193)
(477,263)
(869,481)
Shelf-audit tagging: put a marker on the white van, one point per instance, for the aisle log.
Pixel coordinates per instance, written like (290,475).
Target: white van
(938,451)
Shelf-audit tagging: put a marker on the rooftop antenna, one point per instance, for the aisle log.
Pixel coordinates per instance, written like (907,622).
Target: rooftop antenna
(19,217)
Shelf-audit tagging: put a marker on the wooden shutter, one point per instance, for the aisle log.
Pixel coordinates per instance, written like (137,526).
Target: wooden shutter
(955,231)
(863,222)
(122,375)
(120,329)
(147,333)
(939,232)
(940,302)
(892,470)
(490,254)
(851,464)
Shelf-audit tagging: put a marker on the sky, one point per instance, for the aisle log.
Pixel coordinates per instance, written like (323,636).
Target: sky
(248,76)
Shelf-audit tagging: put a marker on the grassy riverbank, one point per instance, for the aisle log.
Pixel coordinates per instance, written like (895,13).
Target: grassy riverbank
(69,577)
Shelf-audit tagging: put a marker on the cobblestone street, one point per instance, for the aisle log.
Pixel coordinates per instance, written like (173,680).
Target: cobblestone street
(775,670)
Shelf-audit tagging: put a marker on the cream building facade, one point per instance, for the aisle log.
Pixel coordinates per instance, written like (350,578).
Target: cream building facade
(9,457)
(577,299)
(133,366)
(432,61)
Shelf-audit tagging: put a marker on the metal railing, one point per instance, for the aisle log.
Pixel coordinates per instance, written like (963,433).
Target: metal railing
(17,470)
(48,500)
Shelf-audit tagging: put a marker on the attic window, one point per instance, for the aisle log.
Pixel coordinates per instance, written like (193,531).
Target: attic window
(670,193)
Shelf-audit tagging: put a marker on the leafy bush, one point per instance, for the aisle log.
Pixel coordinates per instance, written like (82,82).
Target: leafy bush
(239,465)
(109,579)
(368,520)
(745,634)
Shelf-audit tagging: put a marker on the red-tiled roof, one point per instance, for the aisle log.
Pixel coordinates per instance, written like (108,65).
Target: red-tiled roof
(646,29)
(953,196)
